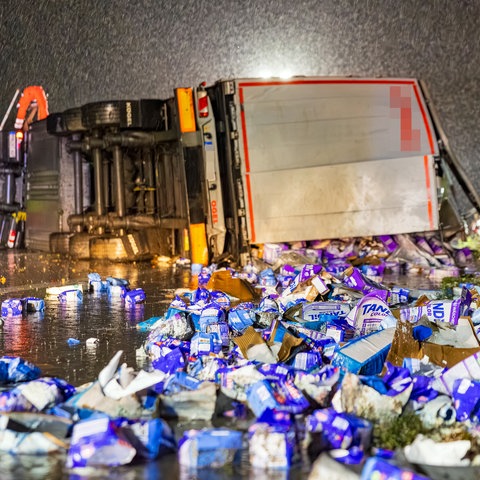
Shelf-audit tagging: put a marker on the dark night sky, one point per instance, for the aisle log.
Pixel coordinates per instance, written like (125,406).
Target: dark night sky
(82,51)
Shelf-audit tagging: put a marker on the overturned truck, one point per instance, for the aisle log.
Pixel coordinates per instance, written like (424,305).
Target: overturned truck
(214,169)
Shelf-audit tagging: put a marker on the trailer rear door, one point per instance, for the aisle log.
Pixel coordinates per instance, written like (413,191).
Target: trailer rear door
(336,157)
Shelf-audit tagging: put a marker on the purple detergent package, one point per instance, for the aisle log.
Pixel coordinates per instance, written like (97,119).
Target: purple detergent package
(134,297)
(13,307)
(171,362)
(466,396)
(16,369)
(276,371)
(437,311)
(209,448)
(340,430)
(422,389)
(150,438)
(388,242)
(306,273)
(371,311)
(337,267)
(220,298)
(354,279)
(201,295)
(376,467)
(97,442)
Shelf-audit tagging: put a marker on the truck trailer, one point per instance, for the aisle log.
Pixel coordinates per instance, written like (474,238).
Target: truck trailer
(215,169)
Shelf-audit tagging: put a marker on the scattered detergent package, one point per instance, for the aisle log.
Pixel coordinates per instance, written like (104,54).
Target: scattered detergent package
(95,283)
(133,297)
(273,442)
(70,296)
(33,304)
(13,307)
(96,441)
(151,438)
(331,430)
(378,468)
(211,448)
(16,369)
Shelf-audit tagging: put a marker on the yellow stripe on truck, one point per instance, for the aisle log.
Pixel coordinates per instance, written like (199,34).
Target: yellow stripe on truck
(186,110)
(198,244)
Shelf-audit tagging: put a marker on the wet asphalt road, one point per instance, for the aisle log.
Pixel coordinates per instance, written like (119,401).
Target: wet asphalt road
(42,339)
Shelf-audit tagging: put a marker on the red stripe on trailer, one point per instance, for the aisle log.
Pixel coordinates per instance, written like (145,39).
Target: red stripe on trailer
(429,192)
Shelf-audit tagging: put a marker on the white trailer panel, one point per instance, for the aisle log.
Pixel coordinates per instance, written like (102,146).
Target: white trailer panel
(326,158)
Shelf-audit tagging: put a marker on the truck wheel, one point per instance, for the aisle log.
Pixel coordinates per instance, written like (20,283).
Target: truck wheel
(79,246)
(73,120)
(101,114)
(59,242)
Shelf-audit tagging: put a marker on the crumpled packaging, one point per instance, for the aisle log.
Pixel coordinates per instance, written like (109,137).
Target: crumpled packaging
(196,404)
(404,345)
(426,451)
(236,287)
(254,347)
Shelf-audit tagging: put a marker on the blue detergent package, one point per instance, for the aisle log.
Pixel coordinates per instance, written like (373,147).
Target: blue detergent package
(171,362)
(340,431)
(150,438)
(113,281)
(239,318)
(466,396)
(13,307)
(181,381)
(378,468)
(36,395)
(209,448)
(116,291)
(205,344)
(70,296)
(279,395)
(33,304)
(16,369)
(96,442)
(133,297)
(95,283)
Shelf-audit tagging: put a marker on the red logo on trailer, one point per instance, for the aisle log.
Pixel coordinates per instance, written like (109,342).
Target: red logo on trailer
(213,207)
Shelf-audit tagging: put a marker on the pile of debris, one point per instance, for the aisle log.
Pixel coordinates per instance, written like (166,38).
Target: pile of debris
(305,357)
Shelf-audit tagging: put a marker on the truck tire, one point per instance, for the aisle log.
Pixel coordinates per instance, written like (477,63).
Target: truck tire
(65,123)
(59,242)
(101,114)
(79,246)
(73,120)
